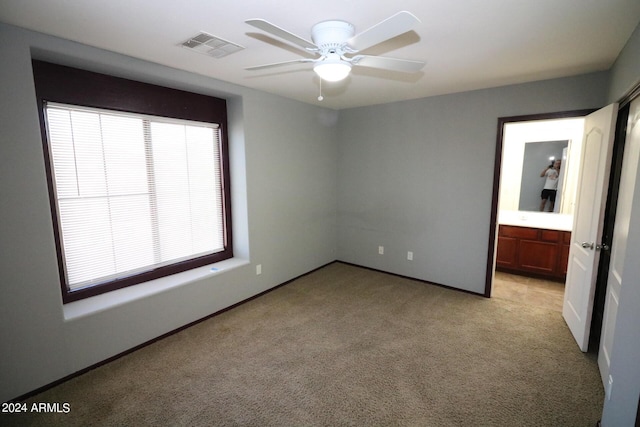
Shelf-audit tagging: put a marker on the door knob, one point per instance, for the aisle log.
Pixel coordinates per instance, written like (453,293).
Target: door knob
(587,245)
(603,247)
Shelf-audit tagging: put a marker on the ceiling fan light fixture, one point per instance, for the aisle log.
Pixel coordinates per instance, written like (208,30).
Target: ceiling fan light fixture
(332,70)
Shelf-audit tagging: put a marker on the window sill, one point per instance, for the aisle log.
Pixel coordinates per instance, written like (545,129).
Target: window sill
(93,305)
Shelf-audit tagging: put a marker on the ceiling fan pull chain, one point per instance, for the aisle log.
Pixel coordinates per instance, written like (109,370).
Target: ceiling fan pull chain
(320,97)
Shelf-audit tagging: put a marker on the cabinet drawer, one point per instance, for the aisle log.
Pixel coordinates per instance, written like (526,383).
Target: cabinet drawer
(550,236)
(523,233)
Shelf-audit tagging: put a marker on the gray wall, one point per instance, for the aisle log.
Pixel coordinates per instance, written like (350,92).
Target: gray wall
(621,409)
(625,73)
(415,175)
(284,194)
(418,176)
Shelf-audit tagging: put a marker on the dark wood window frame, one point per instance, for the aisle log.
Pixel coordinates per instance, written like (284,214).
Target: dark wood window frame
(61,84)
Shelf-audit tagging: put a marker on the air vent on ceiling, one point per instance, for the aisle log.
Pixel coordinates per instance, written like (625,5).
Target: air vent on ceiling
(211,45)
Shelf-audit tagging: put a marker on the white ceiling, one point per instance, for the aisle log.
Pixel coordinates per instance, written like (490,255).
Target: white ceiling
(467,44)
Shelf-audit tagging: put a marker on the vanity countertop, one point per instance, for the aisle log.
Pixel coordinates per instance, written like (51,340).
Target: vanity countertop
(543,220)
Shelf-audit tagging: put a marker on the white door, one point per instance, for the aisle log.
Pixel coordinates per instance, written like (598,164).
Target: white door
(599,132)
(619,240)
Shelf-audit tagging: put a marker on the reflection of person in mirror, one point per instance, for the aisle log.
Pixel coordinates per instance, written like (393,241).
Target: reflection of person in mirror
(551,174)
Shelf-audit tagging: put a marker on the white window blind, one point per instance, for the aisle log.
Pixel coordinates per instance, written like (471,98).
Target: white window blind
(133,192)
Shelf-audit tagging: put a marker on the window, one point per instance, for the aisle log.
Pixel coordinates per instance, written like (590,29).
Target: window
(134,195)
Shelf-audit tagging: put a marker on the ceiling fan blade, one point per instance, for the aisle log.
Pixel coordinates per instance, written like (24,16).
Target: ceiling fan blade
(277,64)
(282,33)
(391,27)
(385,63)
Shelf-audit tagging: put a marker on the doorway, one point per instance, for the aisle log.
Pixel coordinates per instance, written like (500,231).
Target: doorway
(608,228)
(609,192)
(533,243)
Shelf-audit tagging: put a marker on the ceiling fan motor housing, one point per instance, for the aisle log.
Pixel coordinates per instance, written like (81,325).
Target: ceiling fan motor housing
(332,36)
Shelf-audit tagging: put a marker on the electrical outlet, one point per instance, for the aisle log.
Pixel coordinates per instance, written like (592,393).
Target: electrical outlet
(258,269)
(410,256)
(381,250)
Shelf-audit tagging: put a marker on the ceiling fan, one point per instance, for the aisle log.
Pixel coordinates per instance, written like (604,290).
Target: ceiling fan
(337,46)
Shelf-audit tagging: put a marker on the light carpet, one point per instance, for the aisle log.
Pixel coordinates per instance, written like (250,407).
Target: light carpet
(347,346)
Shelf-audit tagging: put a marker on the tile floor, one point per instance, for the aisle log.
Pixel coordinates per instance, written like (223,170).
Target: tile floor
(528,290)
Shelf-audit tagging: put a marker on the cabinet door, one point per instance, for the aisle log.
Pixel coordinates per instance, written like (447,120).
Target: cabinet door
(507,252)
(538,257)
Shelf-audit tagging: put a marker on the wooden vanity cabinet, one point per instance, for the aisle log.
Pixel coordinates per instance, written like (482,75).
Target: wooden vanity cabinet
(533,251)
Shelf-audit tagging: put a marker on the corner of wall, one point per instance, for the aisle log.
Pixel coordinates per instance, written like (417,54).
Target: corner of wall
(624,75)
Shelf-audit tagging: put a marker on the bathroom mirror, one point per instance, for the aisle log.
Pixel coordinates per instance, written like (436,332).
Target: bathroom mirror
(526,151)
(538,157)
